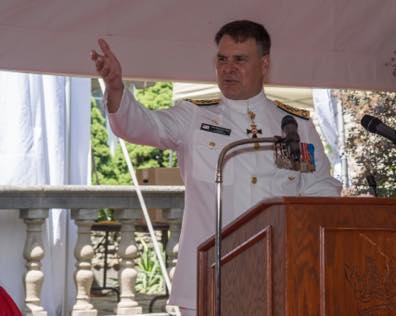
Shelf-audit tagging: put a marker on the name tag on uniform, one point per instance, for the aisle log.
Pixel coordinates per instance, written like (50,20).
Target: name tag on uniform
(215,129)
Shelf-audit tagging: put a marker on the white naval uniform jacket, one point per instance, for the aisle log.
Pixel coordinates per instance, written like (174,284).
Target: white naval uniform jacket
(179,128)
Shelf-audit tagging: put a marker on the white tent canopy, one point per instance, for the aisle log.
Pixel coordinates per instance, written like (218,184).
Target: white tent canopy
(325,43)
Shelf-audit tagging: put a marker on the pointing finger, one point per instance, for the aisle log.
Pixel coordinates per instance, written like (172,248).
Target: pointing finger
(105,47)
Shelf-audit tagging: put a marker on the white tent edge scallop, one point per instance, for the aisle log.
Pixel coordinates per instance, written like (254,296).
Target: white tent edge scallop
(331,44)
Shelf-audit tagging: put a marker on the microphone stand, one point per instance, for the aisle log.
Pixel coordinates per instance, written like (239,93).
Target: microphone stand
(219,206)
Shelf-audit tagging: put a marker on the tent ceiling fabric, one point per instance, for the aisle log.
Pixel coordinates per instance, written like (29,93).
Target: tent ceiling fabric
(325,43)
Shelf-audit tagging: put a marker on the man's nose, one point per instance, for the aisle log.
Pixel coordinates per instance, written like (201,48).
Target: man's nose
(229,67)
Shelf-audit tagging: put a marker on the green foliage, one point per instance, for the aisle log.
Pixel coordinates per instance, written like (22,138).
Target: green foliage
(102,169)
(159,96)
(367,151)
(149,279)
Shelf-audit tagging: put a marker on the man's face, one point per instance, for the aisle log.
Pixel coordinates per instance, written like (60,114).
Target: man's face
(240,68)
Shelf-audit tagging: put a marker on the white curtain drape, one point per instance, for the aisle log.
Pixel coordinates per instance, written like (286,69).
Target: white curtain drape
(328,116)
(44,139)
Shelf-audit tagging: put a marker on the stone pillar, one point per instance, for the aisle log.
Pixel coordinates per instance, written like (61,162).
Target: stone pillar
(174,217)
(127,252)
(33,253)
(84,253)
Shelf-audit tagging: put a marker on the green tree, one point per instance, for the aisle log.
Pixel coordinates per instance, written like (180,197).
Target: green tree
(158,96)
(103,171)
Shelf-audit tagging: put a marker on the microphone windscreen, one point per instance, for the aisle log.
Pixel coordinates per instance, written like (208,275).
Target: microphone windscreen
(370,123)
(288,119)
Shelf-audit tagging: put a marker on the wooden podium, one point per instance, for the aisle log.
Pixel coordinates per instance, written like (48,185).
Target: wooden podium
(303,257)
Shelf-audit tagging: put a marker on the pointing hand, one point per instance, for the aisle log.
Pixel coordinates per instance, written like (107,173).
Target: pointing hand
(109,68)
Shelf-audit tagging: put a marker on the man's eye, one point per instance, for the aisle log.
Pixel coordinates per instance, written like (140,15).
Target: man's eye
(240,59)
(221,59)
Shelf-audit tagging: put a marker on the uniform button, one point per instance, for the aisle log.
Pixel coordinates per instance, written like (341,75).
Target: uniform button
(291,178)
(254,180)
(212,145)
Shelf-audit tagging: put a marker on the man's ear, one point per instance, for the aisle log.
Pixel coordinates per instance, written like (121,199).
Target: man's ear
(265,64)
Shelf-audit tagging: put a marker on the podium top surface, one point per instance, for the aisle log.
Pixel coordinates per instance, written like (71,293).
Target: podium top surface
(355,200)
(288,203)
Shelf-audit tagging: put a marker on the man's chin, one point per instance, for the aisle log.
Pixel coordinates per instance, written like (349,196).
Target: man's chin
(231,94)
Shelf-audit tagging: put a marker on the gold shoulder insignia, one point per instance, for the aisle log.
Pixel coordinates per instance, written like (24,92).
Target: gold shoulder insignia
(203,102)
(304,114)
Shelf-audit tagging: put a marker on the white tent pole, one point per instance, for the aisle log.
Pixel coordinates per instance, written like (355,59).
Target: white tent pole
(68,92)
(146,214)
(341,143)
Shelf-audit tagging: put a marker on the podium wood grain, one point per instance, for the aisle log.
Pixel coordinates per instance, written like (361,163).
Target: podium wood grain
(305,256)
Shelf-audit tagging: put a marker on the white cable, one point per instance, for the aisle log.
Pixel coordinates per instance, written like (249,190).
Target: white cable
(148,220)
(146,214)
(102,85)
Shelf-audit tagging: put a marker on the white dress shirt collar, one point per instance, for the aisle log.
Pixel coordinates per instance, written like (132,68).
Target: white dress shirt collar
(241,105)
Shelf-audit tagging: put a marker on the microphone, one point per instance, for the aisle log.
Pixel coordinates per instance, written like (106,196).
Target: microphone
(292,140)
(375,125)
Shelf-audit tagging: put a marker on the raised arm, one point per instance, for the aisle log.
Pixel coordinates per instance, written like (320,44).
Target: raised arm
(109,68)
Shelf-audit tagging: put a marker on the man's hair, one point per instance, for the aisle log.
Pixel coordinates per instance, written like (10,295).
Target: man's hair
(242,30)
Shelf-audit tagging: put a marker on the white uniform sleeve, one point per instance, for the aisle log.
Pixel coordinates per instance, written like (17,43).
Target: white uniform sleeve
(320,182)
(161,128)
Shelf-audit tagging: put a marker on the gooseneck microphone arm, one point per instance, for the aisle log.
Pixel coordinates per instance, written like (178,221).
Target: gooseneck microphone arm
(219,193)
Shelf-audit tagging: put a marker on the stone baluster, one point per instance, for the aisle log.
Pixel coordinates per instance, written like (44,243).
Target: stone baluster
(33,253)
(174,217)
(127,252)
(83,277)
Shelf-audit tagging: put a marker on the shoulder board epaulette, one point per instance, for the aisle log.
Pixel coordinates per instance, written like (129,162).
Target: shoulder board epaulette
(304,114)
(203,102)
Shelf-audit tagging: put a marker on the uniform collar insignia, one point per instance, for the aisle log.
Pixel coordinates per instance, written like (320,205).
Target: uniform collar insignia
(304,114)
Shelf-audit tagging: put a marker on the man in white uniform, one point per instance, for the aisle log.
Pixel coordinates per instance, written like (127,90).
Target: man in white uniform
(198,133)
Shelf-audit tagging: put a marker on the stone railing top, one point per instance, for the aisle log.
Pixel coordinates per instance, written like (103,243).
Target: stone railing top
(89,196)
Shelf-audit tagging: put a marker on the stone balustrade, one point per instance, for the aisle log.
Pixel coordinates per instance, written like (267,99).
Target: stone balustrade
(34,204)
